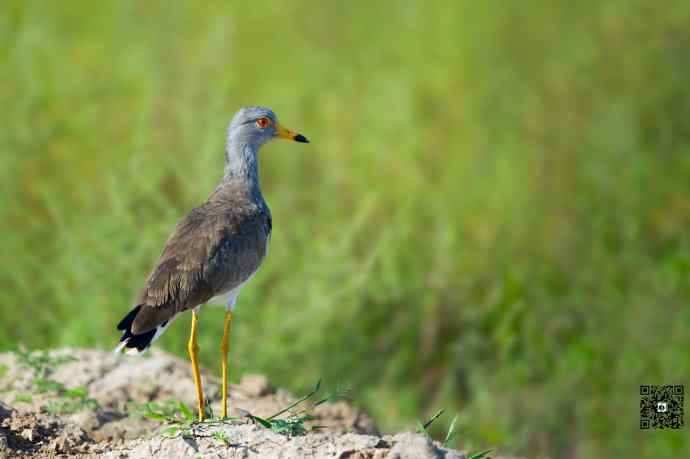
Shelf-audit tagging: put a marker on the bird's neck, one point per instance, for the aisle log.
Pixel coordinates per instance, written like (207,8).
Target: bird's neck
(242,166)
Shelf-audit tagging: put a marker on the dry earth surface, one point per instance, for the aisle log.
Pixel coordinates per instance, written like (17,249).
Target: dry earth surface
(120,385)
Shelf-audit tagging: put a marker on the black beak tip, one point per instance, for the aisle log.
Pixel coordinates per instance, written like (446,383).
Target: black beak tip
(301,138)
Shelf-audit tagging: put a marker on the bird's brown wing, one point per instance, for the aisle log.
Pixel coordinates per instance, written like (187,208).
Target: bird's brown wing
(210,252)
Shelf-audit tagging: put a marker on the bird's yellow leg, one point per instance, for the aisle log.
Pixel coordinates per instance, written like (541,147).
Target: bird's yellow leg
(193,349)
(224,361)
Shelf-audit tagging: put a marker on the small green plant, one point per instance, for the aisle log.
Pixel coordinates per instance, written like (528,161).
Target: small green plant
(451,434)
(23,398)
(293,426)
(289,421)
(41,364)
(221,437)
(173,412)
(71,401)
(44,385)
(294,423)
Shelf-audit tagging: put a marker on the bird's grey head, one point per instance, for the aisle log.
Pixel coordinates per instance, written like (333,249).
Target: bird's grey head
(250,128)
(255,126)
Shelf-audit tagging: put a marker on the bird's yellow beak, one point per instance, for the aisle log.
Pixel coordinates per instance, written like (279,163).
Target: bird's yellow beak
(288,134)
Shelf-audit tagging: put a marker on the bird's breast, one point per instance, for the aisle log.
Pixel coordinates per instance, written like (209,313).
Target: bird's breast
(228,296)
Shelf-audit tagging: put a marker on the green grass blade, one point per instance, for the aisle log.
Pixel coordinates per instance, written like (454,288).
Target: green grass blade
(171,431)
(261,421)
(481,454)
(433,418)
(451,434)
(298,401)
(155,416)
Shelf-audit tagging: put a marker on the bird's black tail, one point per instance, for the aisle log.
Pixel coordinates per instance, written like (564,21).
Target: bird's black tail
(136,344)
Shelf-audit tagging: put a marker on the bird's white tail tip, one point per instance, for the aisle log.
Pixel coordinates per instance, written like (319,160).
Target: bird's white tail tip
(122,349)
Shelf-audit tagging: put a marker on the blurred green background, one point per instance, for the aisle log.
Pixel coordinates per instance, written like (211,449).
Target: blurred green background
(493,215)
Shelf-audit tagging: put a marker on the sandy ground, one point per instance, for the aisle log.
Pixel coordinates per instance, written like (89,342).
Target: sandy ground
(120,383)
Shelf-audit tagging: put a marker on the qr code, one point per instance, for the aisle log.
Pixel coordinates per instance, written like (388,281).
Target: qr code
(661,407)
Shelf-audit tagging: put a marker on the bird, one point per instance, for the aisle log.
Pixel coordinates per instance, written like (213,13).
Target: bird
(214,250)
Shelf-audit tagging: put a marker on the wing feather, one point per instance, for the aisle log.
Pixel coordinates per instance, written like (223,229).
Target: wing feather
(215,248)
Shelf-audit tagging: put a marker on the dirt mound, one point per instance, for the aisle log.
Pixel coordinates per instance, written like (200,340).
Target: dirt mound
(25,434)
(88,403)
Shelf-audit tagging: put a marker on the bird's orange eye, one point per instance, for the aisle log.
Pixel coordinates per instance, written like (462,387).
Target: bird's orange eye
(263,123)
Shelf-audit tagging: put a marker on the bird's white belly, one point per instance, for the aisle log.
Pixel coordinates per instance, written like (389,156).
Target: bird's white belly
(228,298)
